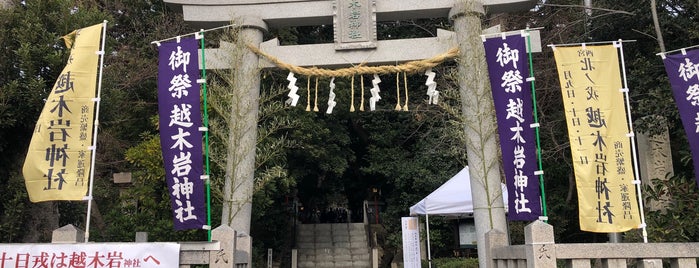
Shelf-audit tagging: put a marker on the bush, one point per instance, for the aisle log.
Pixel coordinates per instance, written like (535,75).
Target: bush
(452,263)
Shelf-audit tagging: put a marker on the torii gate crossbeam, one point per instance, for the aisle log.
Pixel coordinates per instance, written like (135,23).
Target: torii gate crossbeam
(287,13)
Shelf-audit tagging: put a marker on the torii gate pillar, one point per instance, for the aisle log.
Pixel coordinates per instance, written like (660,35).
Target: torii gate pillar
(240,161)
(479,112)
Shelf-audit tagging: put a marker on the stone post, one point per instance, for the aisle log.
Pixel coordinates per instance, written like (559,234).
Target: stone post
(242,127)
(655,159)
(365,205)
(294,258)
(141,237)
(479,115)
(224,258)
(67,234)
(539,245)
(493,239)
(650,263)
(243,250)
(375,258)
(614,263)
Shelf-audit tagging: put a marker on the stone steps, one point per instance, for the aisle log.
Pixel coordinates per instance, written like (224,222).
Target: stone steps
(333,245)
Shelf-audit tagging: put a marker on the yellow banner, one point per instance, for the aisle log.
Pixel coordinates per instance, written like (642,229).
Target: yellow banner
(57,166)
(597,127)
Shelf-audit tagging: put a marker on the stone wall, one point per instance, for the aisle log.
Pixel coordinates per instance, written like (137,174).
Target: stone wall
(540,250)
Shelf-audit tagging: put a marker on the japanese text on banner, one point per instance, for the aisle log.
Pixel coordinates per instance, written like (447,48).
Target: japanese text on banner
(597,126)
(180,118)
(57,166)
(514,111)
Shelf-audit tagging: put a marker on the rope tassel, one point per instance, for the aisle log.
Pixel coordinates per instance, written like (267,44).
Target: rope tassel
(352,97)
(315,101)
(398,107)
(361,102)
(405,84)
(308,94)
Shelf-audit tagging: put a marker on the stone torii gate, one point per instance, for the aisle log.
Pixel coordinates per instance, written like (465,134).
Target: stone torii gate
(354,24)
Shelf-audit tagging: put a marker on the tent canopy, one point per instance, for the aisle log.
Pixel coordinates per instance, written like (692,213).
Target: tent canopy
(452,199)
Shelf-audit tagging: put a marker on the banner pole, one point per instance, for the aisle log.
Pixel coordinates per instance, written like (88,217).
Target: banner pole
(93,147)
(206,136)
(637,180)
(676,50)
(588,43)
(536,122)
(202,31)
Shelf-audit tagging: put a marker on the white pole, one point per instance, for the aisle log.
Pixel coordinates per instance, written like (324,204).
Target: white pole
(93,147)
(427,224)
(631,135)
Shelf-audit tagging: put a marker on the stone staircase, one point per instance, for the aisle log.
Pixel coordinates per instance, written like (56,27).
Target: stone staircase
(333,245)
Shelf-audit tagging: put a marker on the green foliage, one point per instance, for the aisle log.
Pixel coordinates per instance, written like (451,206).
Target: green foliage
(33,56)
(452,263)
(653,105)
(273,202)
(130,76)
(14,206)
(677,221)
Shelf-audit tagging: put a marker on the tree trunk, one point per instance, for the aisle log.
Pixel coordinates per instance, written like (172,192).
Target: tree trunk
(656,23)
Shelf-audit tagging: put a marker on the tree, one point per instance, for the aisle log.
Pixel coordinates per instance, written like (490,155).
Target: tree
(33,56)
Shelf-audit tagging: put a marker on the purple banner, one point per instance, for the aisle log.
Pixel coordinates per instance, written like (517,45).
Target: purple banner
(180,139)
(508,69)
(683,72)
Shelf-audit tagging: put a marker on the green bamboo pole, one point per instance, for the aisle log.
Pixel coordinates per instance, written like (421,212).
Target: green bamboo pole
(206,137)
(536,121)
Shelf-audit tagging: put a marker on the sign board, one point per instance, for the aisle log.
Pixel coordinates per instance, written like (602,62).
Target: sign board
(467,234)
(97,255)
(355,24)
(411,242)
(269,258)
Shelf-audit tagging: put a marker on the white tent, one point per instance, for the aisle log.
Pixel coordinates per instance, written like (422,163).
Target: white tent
(452,199)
